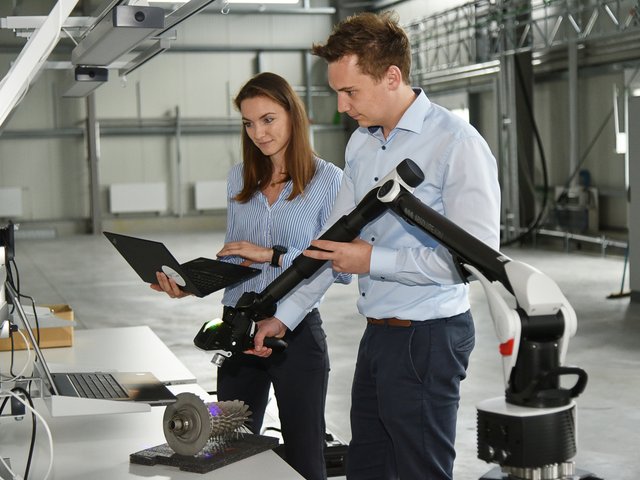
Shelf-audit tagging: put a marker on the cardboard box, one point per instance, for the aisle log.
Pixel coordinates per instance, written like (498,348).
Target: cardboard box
(50,337)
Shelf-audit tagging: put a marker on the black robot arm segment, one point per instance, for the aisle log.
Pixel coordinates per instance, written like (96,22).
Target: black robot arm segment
(407,175)
(344,230)
(464,247)
(236,330)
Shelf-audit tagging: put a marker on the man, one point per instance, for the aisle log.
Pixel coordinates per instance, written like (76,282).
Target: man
(415,349)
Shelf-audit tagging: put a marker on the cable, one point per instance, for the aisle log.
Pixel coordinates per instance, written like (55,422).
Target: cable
(583,159)
(10,281)
(35,315)
(16,287)
(27,363)
(10,274)
(13,348)
(4,403)
(33,430)
(543,161)
(543,209)
(44,424)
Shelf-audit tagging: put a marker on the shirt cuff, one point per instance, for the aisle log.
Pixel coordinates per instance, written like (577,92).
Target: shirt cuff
(383,262)
(290,314)
(289,257)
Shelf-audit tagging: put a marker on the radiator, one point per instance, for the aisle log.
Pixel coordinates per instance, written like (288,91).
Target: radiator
(10,202)
(211,195)
(138,197)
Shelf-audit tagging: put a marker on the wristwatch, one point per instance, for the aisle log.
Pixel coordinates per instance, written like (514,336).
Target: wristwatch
(278,251)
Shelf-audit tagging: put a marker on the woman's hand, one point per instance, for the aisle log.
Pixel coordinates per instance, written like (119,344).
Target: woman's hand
(251,252)
(169,286)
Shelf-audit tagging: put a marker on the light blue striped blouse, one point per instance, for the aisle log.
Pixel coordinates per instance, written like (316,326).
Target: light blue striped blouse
(292,224)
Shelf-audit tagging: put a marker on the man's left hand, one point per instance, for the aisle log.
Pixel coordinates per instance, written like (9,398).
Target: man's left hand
(345,257)
(271,327)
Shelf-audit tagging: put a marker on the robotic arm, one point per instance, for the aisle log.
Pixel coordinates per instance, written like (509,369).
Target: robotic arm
(530,431)
(532,318)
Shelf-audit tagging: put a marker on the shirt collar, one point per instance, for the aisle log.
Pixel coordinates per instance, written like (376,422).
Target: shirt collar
(413,118)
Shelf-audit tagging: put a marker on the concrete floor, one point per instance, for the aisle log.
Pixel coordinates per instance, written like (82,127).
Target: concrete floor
(87,273)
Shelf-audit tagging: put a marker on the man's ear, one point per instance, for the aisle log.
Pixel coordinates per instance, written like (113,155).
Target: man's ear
(393,77)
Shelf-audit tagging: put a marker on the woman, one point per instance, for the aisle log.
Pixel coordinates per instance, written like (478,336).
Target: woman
(278,200)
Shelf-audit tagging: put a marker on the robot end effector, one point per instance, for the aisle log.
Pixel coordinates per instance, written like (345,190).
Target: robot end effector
(234,333)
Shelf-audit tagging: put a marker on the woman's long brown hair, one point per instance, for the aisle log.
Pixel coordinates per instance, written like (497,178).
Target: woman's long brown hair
(299,156)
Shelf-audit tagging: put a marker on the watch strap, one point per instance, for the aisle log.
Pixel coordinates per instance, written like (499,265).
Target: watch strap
(278,251)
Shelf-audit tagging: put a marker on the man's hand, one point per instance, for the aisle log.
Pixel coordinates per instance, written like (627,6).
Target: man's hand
(271,327)
(169,286)
(351,257)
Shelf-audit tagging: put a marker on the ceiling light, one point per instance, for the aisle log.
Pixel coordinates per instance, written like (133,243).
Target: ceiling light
(85,80)
(117,34)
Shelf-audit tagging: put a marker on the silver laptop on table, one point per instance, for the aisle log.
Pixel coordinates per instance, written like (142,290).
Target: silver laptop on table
(93,392)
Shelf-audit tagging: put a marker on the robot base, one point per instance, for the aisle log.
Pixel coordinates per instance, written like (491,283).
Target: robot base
(528,443)
(497,474)
(523,437)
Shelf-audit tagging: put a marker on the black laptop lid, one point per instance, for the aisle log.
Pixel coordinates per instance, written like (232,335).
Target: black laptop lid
(147,257)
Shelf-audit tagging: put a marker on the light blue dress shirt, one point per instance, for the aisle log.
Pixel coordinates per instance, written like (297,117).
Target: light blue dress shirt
(292,224)
(411,275)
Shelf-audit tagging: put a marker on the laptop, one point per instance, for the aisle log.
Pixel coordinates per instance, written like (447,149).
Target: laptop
(122,386)
(200,276)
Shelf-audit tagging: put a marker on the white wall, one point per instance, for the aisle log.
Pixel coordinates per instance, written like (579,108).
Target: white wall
(53,172)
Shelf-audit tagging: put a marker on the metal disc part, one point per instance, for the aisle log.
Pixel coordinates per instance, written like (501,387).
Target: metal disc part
(187,424)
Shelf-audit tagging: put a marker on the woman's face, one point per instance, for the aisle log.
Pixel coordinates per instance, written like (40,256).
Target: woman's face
(268,125)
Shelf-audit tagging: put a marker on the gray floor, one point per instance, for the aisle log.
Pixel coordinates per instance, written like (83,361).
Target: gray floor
(87,273)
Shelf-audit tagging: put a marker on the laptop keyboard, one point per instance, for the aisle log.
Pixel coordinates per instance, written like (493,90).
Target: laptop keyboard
(206,280)
(97,385)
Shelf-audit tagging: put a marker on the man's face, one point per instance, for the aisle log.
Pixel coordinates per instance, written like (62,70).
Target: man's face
(359,95)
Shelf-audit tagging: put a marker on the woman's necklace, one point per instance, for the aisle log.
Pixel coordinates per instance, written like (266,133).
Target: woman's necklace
(274,189)
(275,180)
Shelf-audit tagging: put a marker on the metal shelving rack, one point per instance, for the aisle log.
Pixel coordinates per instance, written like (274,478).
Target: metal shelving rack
(473,46)
(485,30)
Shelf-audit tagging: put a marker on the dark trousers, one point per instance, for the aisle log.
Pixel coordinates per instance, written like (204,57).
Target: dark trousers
(299,375)
(405,396)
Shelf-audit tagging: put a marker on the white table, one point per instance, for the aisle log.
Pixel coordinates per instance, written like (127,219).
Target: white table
(120,349)
(98,447)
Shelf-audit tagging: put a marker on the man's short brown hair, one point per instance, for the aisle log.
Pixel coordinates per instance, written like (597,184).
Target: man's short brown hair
(376,39)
